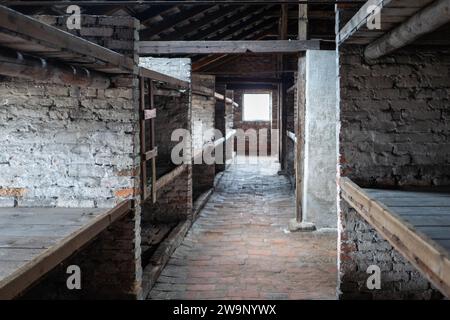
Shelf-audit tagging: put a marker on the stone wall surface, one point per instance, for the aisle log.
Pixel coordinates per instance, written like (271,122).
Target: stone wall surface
(394,118)
(69,147)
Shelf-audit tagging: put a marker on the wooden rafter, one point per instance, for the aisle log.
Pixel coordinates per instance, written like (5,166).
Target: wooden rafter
(221,13)
(172,21)
(224,24)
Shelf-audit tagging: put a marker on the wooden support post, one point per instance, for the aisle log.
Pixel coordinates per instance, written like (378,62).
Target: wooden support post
(297,223)
(281,91)
(151,105)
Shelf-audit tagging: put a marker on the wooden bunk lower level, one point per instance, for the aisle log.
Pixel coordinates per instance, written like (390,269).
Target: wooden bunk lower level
(417,224)
(35,240)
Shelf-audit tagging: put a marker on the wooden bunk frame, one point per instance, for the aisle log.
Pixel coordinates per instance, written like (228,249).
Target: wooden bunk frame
(426,254)
(148,112)
(40,258)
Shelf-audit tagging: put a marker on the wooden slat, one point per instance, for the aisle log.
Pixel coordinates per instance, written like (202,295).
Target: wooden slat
(169,177)
(149,114)
(44,261)
(157,76)
(230,46)
(425,254)
(151,154)
(291,135)
(142,139)
(36,32)
(393,13)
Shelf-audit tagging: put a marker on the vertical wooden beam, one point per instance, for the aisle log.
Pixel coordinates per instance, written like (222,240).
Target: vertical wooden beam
(282,121)
(142,138)
(297,223)
(151,105)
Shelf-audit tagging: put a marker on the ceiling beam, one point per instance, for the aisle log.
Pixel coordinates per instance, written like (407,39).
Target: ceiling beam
(222,12)
(425,21)
(171,21)
(238,46)
(225,23)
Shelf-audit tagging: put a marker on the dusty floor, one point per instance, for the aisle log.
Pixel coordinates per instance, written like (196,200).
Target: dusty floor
(239,247)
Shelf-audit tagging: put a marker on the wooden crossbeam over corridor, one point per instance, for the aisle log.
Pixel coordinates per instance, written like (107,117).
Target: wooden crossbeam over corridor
(238,46)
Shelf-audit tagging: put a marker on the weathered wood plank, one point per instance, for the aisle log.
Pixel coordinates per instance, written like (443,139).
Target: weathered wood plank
(428,220)
(37,32)
(34,242)
(157,76)
(41,261)
(238,46)
(169,177)
(424,253)
(410,211)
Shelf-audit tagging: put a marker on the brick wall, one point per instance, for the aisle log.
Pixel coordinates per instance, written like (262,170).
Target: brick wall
(394,118)
(289,165)
(256,125)
(203,122)
(174,201)
(71,147)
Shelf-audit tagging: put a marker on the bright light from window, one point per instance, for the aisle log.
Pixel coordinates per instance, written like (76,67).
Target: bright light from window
(256,107)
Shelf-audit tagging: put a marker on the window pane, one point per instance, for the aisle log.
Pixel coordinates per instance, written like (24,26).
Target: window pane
(256,107)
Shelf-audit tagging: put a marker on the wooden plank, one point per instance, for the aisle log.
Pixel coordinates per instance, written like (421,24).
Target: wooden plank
(54,217)
(230,46)
(13,284)
(424,253)
(42,242)
(167,93)
(423,22)
(157,76)
(219,96)
(396,11)
(410,211)
(424,220)
(403,194)
(169,177)
(291,135)
(415,202)
(142,110)
(435,232)
(38,32)
(151,154)
(149,114)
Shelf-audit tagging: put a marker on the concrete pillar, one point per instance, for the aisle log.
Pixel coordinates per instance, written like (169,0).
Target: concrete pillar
(320,154)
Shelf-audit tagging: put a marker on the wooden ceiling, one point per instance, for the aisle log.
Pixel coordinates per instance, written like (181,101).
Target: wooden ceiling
(230,21)
(207,20)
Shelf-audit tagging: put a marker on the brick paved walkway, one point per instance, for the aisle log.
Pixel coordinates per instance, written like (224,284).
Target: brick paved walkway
(239,247)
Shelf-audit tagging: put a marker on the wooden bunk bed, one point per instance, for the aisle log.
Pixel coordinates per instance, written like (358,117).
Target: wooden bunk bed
(417,224)
(33,241)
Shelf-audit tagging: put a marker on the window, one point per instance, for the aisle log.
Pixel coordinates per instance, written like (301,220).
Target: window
(256,107)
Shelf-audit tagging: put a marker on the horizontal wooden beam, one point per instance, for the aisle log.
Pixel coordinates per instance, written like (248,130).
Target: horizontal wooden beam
(46,37)
(432,17)
(247,80)
(15,64)
(421,251)
(169,177)
(238,46)
(157,76)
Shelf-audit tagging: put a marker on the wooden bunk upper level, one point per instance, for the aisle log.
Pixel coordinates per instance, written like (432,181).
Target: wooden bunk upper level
(417,224)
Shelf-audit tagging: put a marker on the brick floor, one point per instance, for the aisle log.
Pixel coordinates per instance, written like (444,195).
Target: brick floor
(239,247)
